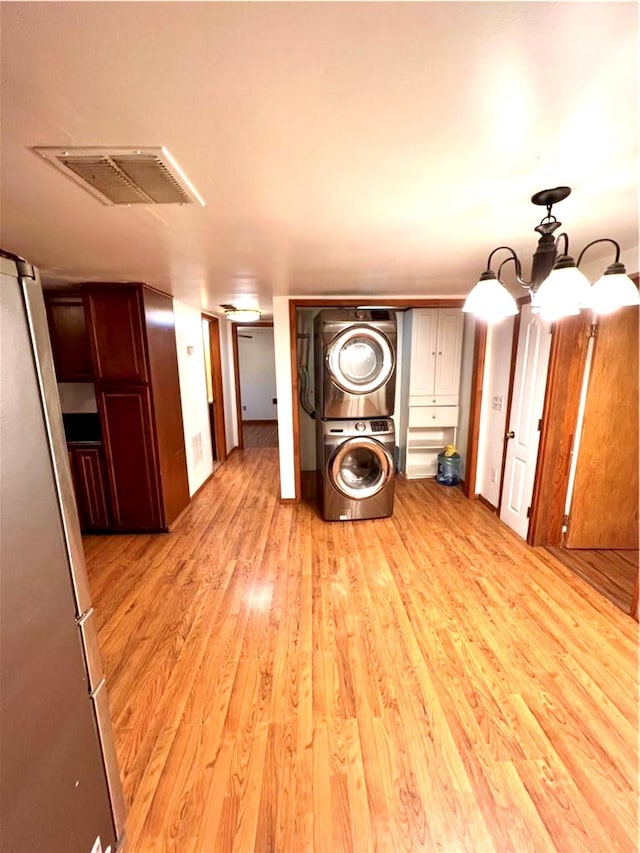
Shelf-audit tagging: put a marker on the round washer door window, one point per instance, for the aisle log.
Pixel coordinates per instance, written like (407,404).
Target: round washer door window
(360,360)
(360,467)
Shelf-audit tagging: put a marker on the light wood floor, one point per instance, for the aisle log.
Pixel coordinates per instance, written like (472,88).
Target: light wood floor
(260,434)
(425,682)
(612,573)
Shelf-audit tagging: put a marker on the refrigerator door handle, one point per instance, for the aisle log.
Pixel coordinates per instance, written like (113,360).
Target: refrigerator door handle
(93,662)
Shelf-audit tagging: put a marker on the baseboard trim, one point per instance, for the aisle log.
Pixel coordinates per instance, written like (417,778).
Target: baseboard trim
(202,485)
(487,503)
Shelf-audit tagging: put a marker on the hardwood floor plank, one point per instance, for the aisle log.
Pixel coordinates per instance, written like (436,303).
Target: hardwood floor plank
(424,682)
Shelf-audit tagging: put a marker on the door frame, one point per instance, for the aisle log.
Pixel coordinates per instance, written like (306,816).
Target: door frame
(294,304)
(475,409)
(215,364)
(236,370)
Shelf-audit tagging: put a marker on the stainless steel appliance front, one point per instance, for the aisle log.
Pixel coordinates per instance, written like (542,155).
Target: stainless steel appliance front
(355,363)
(60,786)
(357,470)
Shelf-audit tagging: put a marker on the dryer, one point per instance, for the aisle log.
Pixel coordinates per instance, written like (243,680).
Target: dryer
(357,474)
(355,357)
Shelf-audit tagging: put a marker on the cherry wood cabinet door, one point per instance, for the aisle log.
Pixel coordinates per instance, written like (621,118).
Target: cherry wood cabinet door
(131,457)
(69,338)
(89,480)
(116,332)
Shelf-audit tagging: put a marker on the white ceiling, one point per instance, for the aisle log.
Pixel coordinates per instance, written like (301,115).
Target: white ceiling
(341,148)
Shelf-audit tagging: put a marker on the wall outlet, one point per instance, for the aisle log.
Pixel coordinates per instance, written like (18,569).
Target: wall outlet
(244,408)
(494,475)
(496,403)
(196,448)
(274,400)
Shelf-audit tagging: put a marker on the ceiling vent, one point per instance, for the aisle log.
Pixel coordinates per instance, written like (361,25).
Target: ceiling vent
(125,175)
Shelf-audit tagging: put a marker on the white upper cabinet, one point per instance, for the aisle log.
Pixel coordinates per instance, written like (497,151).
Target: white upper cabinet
(436,347)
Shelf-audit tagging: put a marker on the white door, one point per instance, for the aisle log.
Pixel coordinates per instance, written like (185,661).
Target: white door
(529,385)
(448,352)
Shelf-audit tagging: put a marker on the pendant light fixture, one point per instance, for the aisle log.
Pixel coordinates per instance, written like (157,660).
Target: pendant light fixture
(557,287)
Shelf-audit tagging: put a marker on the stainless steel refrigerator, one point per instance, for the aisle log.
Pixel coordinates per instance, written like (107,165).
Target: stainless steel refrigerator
(60,789)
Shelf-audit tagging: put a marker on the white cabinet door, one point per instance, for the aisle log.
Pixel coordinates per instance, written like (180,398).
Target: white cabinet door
(448,352)
(424,338)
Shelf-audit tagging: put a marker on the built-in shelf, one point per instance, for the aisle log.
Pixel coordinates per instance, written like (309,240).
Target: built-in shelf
(433,348)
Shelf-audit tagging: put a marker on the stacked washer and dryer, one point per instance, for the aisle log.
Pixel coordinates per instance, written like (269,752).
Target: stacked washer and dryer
(355,363)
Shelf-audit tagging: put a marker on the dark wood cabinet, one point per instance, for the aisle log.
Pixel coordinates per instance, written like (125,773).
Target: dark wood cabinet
(69,338)
(167,406)
(129,445)
(130,345)
(90,484)
(116,332)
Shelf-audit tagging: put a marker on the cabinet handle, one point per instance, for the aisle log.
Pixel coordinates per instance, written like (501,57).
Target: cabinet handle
(439,353)
(510,434)
(433,353)
(433,416)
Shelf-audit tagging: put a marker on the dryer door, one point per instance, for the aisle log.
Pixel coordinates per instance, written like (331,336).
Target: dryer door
(360,467)
(360,360)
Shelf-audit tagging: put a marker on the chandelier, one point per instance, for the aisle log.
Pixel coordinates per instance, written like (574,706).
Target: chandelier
(557,287)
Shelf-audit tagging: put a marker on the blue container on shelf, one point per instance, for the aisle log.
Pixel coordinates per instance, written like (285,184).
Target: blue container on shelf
(448,468)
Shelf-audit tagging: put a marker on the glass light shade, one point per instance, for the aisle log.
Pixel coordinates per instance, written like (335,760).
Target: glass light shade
(490,301)
(244,315)
(613,291)
(563,293)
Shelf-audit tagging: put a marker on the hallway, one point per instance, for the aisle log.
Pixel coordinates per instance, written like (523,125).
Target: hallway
(416,683)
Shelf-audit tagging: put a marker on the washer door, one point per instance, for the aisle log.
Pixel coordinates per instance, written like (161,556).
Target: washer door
(360,360)
(360,467)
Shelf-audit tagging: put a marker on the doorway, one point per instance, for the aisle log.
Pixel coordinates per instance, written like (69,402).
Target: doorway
(215,396)
(255,374)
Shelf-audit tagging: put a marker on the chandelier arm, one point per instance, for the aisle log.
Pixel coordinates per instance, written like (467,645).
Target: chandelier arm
(566,244)
(512,257)
(600,240)
(518,267)
(499,249)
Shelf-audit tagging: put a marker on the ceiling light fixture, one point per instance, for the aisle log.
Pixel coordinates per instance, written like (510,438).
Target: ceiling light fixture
(241,315)
(557,287)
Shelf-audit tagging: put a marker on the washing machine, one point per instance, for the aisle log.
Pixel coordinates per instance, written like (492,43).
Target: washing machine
(355,358)
(356,468)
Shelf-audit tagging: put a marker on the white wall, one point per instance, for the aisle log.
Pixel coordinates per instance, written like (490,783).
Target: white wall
(77,397)
(193,394)
(282,342)
(257,373)
(493,412)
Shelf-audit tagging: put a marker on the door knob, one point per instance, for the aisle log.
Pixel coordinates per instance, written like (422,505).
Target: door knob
(510,434)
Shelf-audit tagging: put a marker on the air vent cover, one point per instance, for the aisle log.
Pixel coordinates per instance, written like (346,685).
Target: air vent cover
(125,175)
